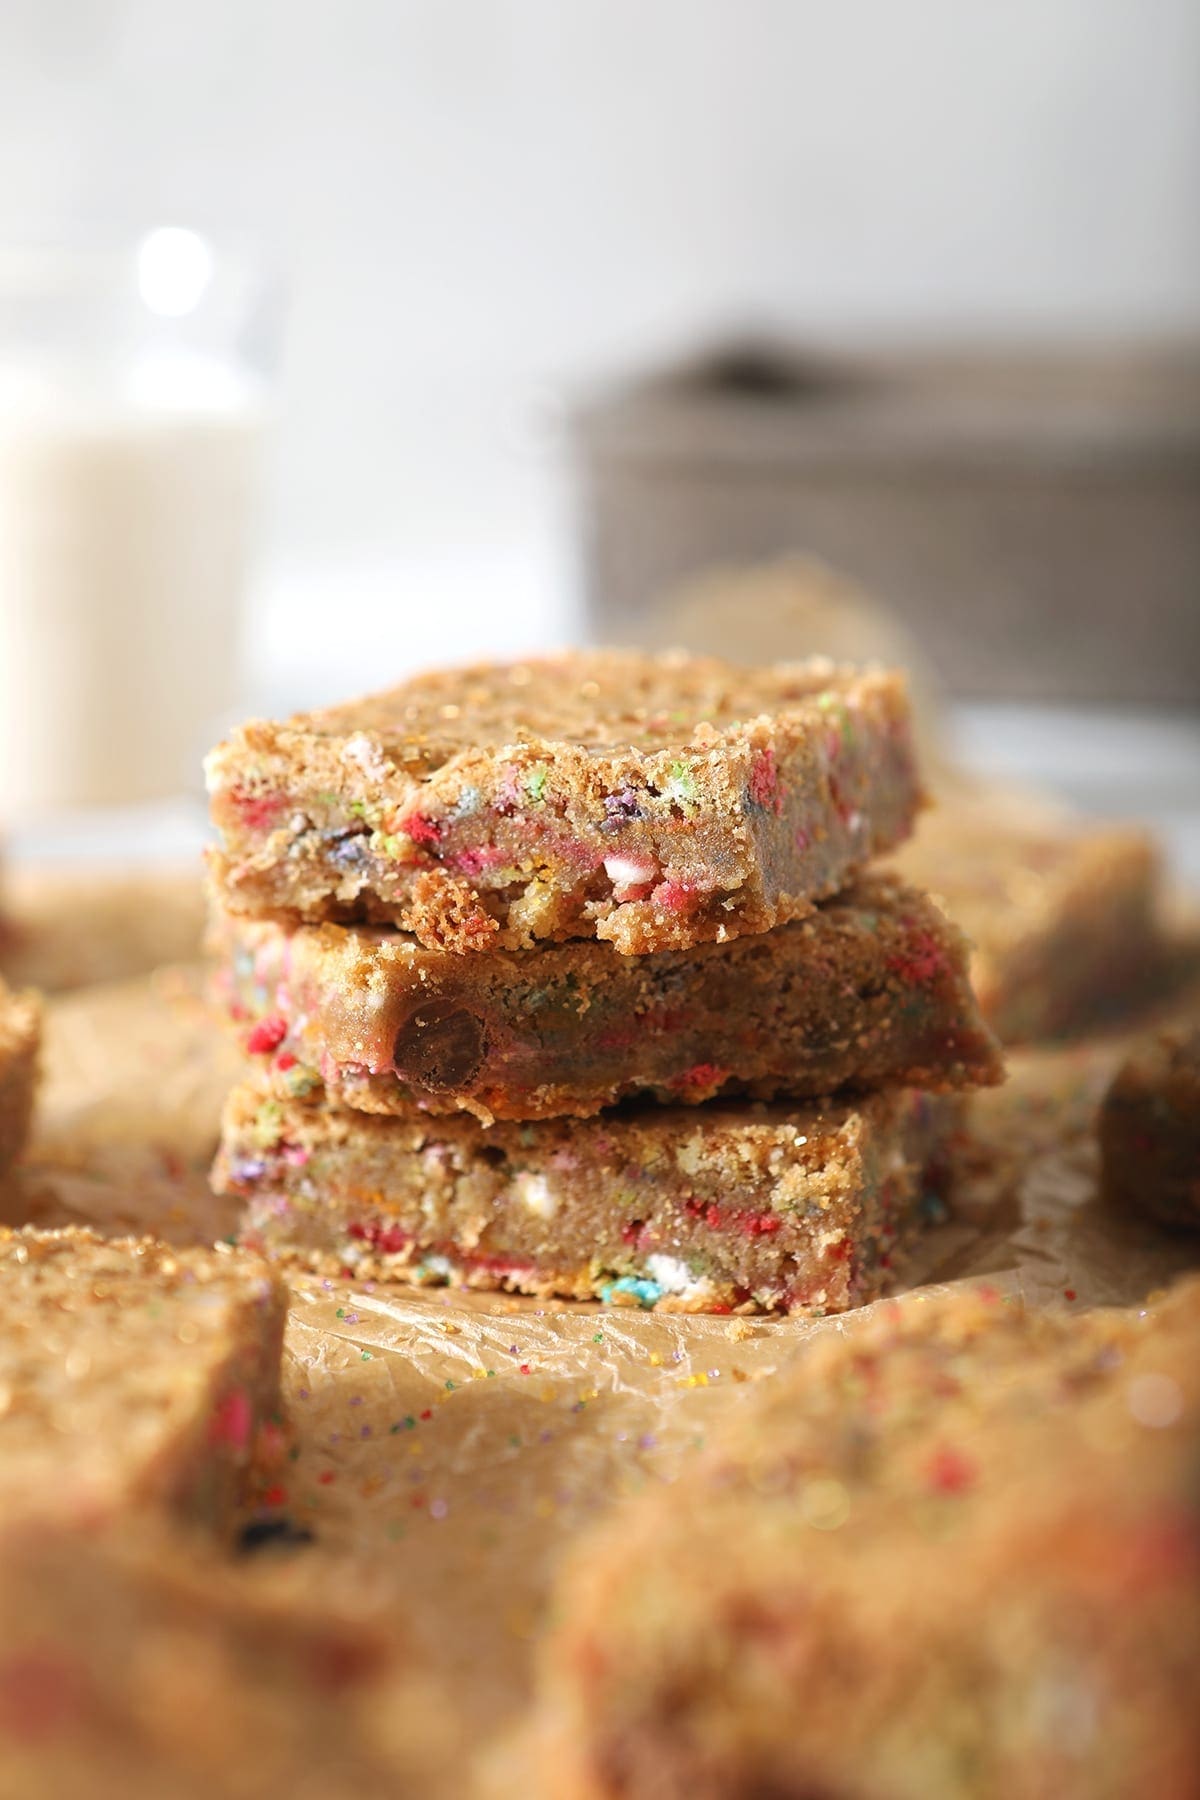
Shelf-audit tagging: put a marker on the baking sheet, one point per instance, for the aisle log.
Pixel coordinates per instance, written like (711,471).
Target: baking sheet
(462,1441)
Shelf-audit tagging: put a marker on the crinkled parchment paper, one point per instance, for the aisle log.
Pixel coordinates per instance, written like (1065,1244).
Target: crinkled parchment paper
(461,1442)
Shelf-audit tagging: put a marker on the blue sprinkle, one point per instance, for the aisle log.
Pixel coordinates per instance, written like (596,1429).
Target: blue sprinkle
(647,1292)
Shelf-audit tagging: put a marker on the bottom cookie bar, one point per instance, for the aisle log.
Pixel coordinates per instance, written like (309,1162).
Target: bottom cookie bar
(20,1033)
(786,1208)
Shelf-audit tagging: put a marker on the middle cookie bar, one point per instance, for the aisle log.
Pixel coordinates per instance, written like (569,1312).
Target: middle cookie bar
(797,1208)
(870,991)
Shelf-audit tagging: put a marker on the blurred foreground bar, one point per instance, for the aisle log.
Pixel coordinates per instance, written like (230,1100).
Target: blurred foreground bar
(1033,517)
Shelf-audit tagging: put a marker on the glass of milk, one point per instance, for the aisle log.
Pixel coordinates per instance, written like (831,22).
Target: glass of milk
(132,405)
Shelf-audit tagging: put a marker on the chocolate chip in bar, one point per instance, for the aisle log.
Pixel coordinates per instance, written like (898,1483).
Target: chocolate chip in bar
(441,1045)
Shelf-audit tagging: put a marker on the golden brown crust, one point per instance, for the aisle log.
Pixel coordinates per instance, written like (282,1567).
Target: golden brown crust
(657,802)
(954,1551)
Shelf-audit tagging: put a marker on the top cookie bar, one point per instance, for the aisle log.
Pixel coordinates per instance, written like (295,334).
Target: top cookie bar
(655,801)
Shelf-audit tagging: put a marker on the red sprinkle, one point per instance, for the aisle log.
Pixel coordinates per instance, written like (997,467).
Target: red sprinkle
(699,1075)
(267,1035)
(922,959)
(477,859)
(763,786)
(420,829)
(285,1061)
(275,1496)
(428,1413)
(950,1472)
(41,1696)
(326,1476)
(1070,1294)
(389,1240)
(524,1369)
(675,896)
(720,1218)
(231,1422)
(257,812)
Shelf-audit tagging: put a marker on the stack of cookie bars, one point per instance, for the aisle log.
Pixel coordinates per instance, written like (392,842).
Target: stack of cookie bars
(570,977)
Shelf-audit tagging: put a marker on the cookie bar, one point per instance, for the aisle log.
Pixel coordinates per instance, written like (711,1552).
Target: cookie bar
(1150,1128)
(789,1208)
(654,801)
(20,1035)
(954,1551)
(1062,915)
(135,1666)
(871,990)
(134,1376)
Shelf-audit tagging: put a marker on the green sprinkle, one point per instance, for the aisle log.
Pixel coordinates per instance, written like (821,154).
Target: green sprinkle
(366,1356)
(535,783)
(301,1080)
(341,1312)
(681,785)
(327,798)
(514,1440)
(449,1387)
(598,1338)
(268,1125)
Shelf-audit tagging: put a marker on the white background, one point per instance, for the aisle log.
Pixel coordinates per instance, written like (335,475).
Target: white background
(481,204)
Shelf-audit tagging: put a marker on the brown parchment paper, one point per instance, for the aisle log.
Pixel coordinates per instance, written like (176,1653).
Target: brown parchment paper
(64,927)
(462,1442)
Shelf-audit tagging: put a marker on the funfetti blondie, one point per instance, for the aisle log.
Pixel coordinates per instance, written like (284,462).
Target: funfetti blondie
(951,1554)
(653,801)
(870,990)
(136,1377)
(797,1207)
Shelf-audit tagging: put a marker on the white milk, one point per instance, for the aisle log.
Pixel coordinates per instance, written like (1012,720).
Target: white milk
(126,516)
